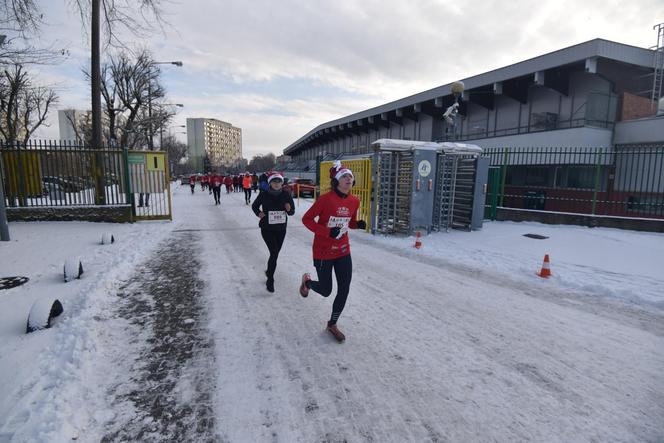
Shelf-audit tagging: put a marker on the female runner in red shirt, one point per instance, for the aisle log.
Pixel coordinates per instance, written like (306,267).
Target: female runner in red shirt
(336,212)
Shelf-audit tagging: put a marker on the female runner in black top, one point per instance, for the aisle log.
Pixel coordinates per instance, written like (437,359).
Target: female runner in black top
(273,208)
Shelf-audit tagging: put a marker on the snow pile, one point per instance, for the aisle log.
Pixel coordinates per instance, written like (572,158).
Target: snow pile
(40,372)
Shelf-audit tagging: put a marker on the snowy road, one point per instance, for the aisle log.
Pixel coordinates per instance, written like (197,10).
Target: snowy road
(171,336)
(431,354)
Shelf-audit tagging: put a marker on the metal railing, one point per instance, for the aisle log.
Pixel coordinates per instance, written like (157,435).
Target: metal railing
(483,132)
(57,173)
(626,181)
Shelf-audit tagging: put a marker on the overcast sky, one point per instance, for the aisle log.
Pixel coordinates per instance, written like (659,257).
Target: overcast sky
(277,69)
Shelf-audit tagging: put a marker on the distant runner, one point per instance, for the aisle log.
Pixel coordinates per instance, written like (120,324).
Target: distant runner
(192,182)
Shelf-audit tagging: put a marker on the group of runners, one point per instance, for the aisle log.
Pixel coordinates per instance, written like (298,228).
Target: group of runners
(213,182)
(329,218)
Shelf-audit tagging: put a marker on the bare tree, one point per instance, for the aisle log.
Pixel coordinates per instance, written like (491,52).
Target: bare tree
(113,107)
(81,125)
(19,19)
(117,14)
(20,16)
(139,17)
(176,149)
(127,85)
(137,84)
(262,162)
(122,17)
(23,107)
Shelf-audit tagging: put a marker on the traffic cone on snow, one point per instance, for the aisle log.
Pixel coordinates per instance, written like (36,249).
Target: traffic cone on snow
(418,242)
(546,268)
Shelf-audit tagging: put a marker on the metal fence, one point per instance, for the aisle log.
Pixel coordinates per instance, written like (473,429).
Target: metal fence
(63,174)
(56,173)
(626,181)
(478,129)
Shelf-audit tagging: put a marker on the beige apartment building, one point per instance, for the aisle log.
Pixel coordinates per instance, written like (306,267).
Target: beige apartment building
(220,141)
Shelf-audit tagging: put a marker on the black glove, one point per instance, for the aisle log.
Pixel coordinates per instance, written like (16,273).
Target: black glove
(361,224)
(334,232)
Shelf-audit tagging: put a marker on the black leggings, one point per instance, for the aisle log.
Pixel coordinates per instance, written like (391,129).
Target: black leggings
(343,269)
(216,191)
(273,240)
(247,195)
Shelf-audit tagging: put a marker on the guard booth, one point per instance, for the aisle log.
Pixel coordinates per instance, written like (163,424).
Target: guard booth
(427,186)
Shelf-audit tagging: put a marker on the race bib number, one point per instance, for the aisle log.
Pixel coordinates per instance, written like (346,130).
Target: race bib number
(338,222)
(276,217)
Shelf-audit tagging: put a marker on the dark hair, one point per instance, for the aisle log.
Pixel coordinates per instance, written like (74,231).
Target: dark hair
(334,183)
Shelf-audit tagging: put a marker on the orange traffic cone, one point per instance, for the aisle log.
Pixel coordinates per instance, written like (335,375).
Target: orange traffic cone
(546,268)
(418,242)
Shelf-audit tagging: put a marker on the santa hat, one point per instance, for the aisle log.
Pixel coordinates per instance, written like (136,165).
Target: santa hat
(338,170)
(274,176)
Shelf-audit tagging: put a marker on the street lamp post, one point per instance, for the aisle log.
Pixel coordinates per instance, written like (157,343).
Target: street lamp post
(161,127)
(452,112)
(150,131)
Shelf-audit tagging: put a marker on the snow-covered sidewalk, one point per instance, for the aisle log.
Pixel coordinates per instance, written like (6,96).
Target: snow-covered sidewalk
(457,341)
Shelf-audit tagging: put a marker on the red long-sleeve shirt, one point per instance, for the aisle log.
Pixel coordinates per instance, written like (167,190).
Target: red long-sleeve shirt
(216,181)
(332,210)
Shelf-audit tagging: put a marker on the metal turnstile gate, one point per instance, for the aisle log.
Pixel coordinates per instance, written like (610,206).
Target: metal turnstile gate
(404,176)
(460,185)
(427,186)
(394,193)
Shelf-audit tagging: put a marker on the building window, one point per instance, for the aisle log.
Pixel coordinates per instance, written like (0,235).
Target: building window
(578,177)
(529,176)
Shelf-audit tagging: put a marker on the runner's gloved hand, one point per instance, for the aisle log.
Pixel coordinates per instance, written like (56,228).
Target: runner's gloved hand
(334,232)
(361,224)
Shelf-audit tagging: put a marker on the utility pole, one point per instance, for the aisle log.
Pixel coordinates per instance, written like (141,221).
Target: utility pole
(96,76)
(100,195)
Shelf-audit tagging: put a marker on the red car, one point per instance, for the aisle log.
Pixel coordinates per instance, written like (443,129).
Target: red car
(304,186)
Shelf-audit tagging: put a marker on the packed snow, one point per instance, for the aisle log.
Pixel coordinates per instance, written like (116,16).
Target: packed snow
(459,340)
